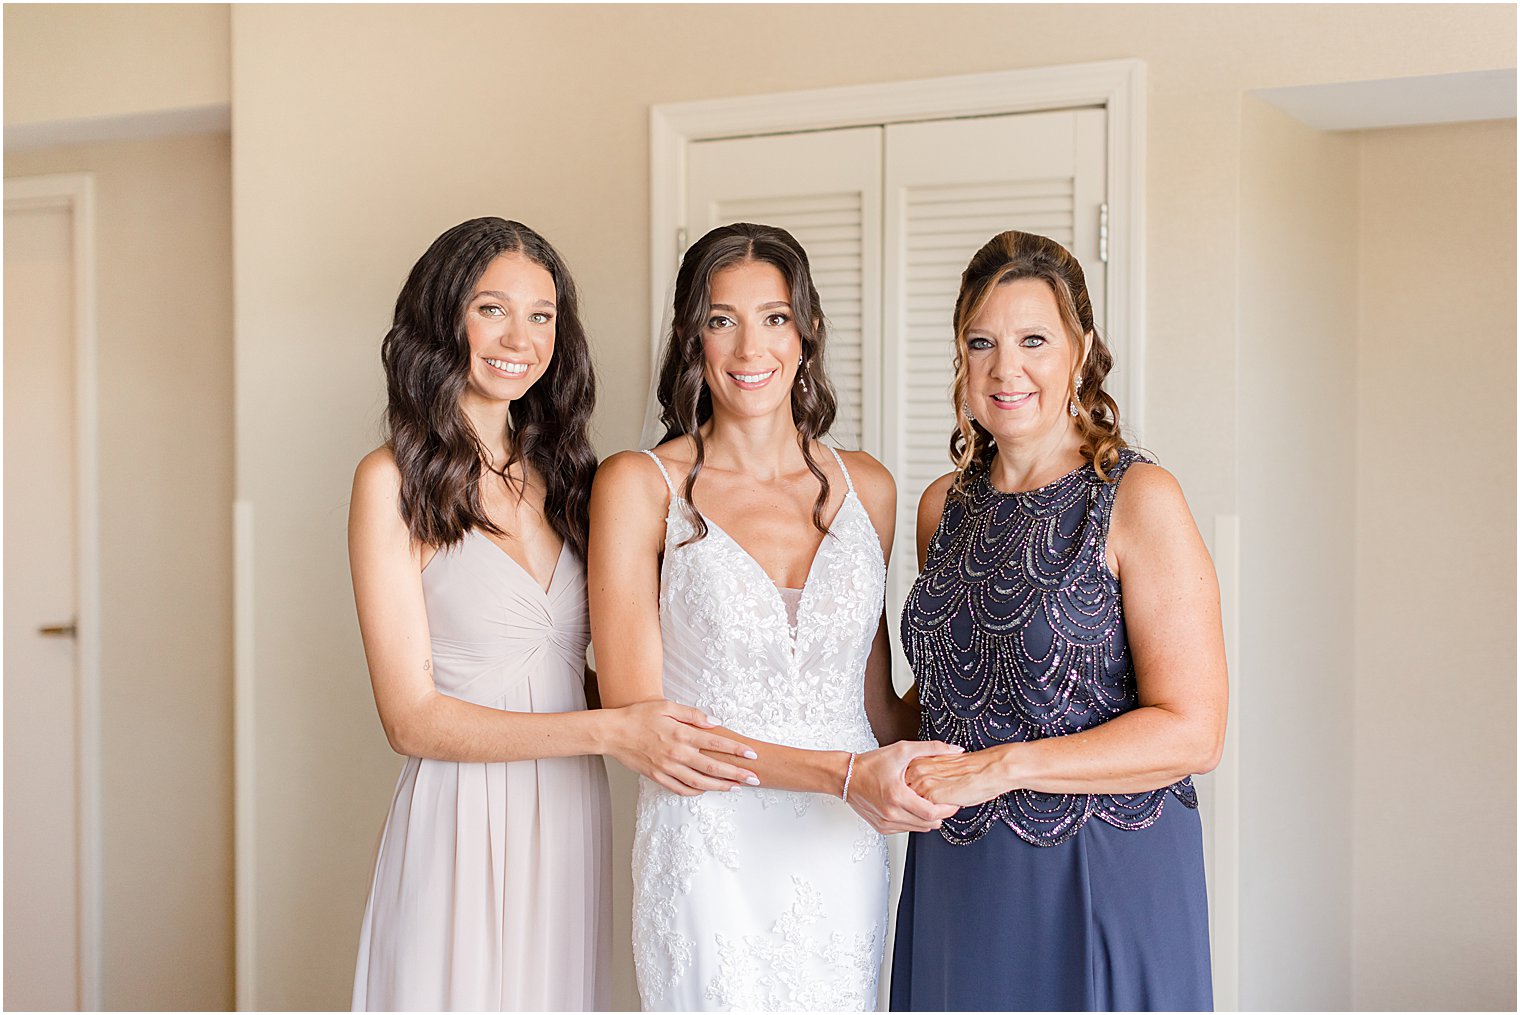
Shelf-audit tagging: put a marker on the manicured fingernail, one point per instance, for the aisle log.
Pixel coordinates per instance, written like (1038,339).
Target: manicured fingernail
(735,789)
(714,720)
(751,755)
(753,780)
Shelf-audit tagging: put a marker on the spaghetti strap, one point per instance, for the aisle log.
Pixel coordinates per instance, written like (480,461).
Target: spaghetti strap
(849,485)
(661,466)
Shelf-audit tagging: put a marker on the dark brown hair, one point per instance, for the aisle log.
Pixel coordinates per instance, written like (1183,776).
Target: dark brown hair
(685,401)
(1003,259)
(426,355)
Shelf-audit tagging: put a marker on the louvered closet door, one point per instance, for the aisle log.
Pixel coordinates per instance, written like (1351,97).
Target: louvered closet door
(950,186)
(825,189)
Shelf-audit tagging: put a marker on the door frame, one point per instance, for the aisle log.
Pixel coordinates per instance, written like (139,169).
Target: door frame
(75,192)
(1116,85)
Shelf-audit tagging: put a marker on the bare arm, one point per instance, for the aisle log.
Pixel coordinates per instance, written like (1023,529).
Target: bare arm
(893,717)
(1171,611)
(420,721)
(622,578)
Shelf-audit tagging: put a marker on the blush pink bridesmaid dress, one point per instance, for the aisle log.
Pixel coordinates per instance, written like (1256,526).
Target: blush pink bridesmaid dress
(492,887)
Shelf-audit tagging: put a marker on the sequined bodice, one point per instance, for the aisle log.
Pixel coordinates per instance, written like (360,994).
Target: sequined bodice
(1015,631)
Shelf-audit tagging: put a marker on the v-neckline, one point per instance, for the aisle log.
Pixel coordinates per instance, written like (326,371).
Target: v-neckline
(807,582)
(558,559)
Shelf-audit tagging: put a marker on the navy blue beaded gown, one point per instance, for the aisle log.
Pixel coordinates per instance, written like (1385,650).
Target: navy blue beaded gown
(1041,901)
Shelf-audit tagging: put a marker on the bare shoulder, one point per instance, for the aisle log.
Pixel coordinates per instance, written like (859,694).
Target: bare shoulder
(1148,491)
(1150,510)
(873,482)
(377,479)
(628,482)
(932,504)
(375,520)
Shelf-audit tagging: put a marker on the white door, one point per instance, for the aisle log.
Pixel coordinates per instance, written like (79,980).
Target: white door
(825,189)
(889,217)
(41,705)
(952,185)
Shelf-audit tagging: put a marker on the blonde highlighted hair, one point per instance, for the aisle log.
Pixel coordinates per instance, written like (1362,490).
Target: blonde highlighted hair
(1005,258)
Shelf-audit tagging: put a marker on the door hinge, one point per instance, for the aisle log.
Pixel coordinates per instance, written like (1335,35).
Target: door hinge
(1103,232)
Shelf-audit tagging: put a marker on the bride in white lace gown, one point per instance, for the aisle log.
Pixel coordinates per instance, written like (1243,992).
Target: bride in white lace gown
(770,897)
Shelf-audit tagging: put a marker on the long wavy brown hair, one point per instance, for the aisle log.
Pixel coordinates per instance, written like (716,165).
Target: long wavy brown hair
(686,402)
(426,355)
(1005,258)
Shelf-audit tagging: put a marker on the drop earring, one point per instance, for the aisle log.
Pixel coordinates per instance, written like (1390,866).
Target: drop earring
(966,408)
(1071,406)
(801,373)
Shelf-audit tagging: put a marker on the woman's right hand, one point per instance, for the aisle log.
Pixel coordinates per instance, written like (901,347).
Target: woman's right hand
(880,794)
(664,741)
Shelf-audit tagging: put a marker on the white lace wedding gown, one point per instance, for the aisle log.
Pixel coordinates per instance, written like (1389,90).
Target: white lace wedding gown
(763,899)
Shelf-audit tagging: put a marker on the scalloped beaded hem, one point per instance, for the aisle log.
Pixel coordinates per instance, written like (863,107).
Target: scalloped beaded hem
(1186,795)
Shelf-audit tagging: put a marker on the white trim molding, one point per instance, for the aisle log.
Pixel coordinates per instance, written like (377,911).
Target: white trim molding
(1224,782)
(244,757)
(76,192)
(1116,85)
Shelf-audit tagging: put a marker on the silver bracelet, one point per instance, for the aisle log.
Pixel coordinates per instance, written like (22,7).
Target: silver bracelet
(848,771)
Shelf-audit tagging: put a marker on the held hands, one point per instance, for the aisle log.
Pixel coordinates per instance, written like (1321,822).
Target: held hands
(959,780)
(664,741)
(880,795)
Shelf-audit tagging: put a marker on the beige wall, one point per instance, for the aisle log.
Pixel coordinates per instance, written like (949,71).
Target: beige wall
(435,115)
(1434,871)
(541,113)
(68,61)
(1296,416)
(164,321)
(429,116)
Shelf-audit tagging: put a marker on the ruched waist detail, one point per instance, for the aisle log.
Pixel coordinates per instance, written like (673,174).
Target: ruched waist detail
(542,674)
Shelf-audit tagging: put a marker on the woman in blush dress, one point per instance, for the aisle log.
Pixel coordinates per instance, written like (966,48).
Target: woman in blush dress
(1065,631)
(467,533)
(739,567)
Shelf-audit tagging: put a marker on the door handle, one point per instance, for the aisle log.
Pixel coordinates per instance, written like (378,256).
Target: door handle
(69,630)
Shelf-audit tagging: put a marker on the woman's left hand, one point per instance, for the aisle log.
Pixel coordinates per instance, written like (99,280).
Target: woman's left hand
(960,779)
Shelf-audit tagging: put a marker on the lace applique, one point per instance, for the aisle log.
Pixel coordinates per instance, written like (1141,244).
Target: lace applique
(1015,630)
(800,803)
(664,860)
(709,921)
(790,969)
(869,843)
(758,676)
(715,824)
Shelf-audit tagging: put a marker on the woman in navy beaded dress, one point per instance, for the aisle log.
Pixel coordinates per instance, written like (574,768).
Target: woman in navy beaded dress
(1064,630)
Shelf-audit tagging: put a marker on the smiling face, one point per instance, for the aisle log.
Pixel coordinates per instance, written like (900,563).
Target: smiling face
(1019,361)
(509,321)
(750,342)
